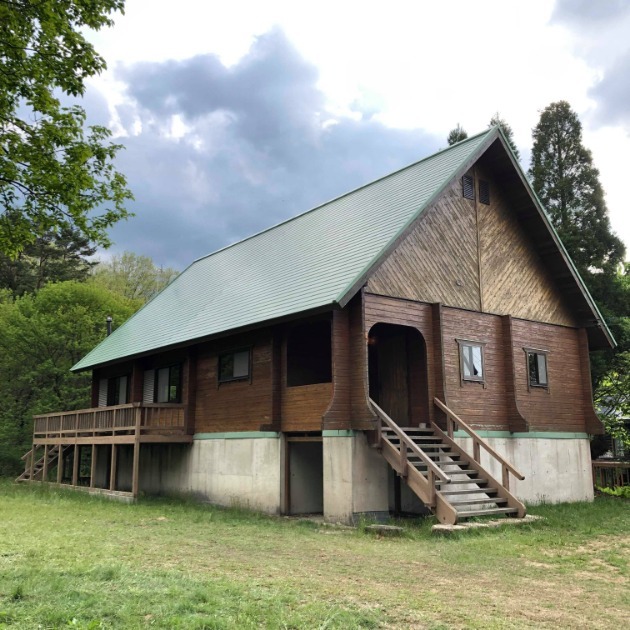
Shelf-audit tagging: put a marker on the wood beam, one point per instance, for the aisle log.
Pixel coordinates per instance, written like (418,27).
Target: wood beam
(93,464)
(75,465)
(112,468)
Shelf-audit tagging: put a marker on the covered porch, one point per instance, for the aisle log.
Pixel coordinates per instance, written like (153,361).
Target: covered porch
(85,449)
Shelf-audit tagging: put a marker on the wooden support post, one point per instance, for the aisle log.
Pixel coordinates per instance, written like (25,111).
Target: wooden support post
(112,468)
(135,475)
(476,451)
(93,465)
(45,468)
(75,465)
(32,471)
(60,464)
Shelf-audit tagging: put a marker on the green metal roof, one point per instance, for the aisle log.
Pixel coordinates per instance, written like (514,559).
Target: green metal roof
(311,261)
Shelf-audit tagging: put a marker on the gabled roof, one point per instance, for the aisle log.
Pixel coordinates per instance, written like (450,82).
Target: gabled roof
(318,259)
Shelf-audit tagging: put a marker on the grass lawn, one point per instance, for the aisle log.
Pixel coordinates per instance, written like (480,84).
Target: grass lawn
(71,560)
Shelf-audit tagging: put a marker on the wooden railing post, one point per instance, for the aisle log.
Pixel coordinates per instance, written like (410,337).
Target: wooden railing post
(506,478)
(136,452)
(476,451)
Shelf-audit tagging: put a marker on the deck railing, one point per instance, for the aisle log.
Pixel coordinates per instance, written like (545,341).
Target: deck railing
(118,419)
(611,474)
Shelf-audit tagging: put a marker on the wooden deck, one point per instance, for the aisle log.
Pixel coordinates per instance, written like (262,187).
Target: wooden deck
(122,424)
(57,436)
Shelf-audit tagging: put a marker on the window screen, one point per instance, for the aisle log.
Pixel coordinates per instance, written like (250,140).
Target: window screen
(168,384)
(484,192)
(537,368)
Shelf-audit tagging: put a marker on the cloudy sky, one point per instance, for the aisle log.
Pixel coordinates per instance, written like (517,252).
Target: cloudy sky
(237,115)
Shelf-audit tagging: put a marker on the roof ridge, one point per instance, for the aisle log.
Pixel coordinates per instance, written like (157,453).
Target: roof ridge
(350,192)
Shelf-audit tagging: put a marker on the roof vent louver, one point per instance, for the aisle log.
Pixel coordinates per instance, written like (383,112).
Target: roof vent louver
(484,192)
(468,185)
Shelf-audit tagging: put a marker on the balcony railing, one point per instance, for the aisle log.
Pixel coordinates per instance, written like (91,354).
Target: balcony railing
(141,419)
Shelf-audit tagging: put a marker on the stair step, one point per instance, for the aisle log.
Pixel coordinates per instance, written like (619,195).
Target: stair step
(469,491)
(496,500)
(459,482)
(470,513)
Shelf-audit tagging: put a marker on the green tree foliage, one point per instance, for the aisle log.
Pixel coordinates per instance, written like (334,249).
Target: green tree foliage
(456,135)
(41,336)
(132,276)
(568,186)
(51,258)
(497,121)
(54,173)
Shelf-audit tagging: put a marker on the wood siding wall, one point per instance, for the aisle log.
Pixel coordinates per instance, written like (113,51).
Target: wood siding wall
(466,254)
(505,403)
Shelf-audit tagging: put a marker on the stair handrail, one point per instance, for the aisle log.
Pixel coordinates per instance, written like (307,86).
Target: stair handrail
(403,437)
(478,441)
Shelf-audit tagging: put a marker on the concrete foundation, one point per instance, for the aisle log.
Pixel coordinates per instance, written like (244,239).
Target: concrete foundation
(355,478)
(556,470)
(341,476)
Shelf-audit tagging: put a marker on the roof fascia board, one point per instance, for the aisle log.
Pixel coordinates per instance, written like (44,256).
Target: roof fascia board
(560,245)
(220,335)
(378,260)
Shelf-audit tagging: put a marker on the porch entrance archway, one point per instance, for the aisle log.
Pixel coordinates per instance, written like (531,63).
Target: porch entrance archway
(397,364)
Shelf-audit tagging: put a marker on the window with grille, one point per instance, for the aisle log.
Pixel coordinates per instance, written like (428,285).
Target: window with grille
(468,185)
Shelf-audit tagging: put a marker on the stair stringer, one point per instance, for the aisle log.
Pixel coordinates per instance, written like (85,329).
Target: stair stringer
(419,484)
(38,468)
(502,491)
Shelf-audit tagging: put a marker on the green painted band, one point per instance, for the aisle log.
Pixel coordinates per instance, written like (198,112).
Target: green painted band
(237,435)
(533,435)
(338,433)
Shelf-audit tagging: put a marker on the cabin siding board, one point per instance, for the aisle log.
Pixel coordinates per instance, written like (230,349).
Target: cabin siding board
(515,279)
(561,406)
(474,256)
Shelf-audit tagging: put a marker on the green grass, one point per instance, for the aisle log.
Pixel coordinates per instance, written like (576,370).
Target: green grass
(68,560)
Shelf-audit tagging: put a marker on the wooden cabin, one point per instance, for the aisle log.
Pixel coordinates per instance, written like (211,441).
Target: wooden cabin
(420,343)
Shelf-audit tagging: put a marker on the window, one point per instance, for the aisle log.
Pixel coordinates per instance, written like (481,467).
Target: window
(168,384)
(537,368)
(118,390)
(468,186)
(234,366)
(309,354)
(471,360)
(484,192)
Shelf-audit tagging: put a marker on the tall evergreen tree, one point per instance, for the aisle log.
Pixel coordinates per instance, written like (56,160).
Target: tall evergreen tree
(456,135)
(568,186)
(54,257)
(497,121)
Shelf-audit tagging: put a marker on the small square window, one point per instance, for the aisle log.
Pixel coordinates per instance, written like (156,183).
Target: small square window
(537,368)
(471,361)
(468,186)
(234,366)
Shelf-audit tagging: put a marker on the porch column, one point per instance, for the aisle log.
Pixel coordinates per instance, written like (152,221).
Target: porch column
(93,465)
(75,465)
(112,468)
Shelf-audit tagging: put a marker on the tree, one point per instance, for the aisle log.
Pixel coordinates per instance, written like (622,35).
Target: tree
(497,121)
(568,186)
(132,276)
(54,173)
(456,135)
(42,336)
(51,258)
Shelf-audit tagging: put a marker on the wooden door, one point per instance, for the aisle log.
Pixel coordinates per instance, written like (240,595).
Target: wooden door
(393,376)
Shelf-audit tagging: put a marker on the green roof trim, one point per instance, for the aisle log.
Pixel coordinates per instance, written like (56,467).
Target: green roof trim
(310,261)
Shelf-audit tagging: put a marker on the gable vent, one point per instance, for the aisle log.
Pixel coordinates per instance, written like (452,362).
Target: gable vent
(468,184)
(484,192)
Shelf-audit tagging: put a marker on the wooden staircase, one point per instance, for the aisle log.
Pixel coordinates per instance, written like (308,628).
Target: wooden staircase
(35,472)
(446,478)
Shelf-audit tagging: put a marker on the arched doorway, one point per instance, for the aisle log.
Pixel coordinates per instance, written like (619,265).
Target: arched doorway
(398,380)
